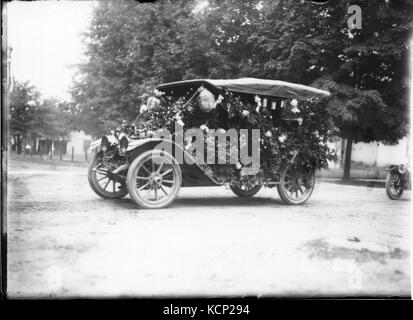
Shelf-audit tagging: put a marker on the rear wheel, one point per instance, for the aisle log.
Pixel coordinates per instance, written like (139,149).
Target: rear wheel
(296,185)
(394,187)
(245,191)
(154,179)
(104,183)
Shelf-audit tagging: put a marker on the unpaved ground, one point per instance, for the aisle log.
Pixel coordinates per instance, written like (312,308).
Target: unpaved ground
(66,241)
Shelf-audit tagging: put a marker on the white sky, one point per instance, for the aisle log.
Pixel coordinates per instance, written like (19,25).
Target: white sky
(46,41)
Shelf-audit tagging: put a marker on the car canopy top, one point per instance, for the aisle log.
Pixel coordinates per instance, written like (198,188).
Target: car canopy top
(263,87)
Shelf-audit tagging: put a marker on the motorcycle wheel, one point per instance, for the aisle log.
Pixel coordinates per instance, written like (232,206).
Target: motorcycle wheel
(102,182)
(295,186)
(154,179)
(393,189)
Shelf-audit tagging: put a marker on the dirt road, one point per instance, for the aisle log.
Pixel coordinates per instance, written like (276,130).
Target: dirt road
(63,240)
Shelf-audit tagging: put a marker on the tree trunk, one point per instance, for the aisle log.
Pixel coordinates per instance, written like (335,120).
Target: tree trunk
(19,144)
(347,158)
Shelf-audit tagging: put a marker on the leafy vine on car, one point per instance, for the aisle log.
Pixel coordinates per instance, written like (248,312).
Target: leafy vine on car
(304,127)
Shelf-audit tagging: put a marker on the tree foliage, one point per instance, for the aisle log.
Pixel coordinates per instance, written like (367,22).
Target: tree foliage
(131,47)
(31,118)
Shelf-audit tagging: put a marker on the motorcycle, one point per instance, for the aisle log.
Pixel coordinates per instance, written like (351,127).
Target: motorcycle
(398,180)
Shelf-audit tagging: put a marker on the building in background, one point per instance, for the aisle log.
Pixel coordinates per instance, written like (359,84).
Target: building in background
(78,143)
(379,154)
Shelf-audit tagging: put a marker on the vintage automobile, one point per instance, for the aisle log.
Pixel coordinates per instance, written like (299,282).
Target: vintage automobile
(128,163)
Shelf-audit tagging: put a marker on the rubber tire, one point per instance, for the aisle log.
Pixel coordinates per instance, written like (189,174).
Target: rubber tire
(284,196)
(95,185)
(131,181)
(389,194)
(244,193)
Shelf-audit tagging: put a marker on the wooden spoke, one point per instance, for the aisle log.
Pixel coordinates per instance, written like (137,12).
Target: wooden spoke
(163,189)
(101,171)
(144,186)
(156,193)
(143,166)
(106,185)
(166,172)
(160,167)
(142,178)
(95,168)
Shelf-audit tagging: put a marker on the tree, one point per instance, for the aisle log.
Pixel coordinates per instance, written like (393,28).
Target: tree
(31,118)
(22,103)
(370,86)
(132,47)
(364,69)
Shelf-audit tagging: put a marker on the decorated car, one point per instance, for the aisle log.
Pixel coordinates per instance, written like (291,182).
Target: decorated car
(243,133)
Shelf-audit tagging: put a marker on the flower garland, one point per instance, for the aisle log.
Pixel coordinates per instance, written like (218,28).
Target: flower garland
(303,129)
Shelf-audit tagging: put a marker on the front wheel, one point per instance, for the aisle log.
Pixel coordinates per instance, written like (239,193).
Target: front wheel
(104,183)
(296,185)
(394,187)
(154,179)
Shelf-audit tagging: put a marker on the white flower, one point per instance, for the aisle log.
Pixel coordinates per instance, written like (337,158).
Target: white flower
(300,121)
(179,120)
(257,109)
(257,100)
(282,138)
(204,128)
(206,100)
(238,165)
(245,113)
(153,102)
(295,110)
(143,108)
(294,102)
(151,133)
(190,107)
(268,134)
(158,93)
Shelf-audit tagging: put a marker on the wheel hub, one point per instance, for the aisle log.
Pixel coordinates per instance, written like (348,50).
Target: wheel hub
(155,180)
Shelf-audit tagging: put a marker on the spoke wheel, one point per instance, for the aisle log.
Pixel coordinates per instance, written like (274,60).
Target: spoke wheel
(154,179)
(103,182)
(394,187)
(295,186)
(245,191)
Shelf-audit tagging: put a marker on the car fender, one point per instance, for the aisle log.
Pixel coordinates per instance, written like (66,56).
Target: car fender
(392,167)
(135,143)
